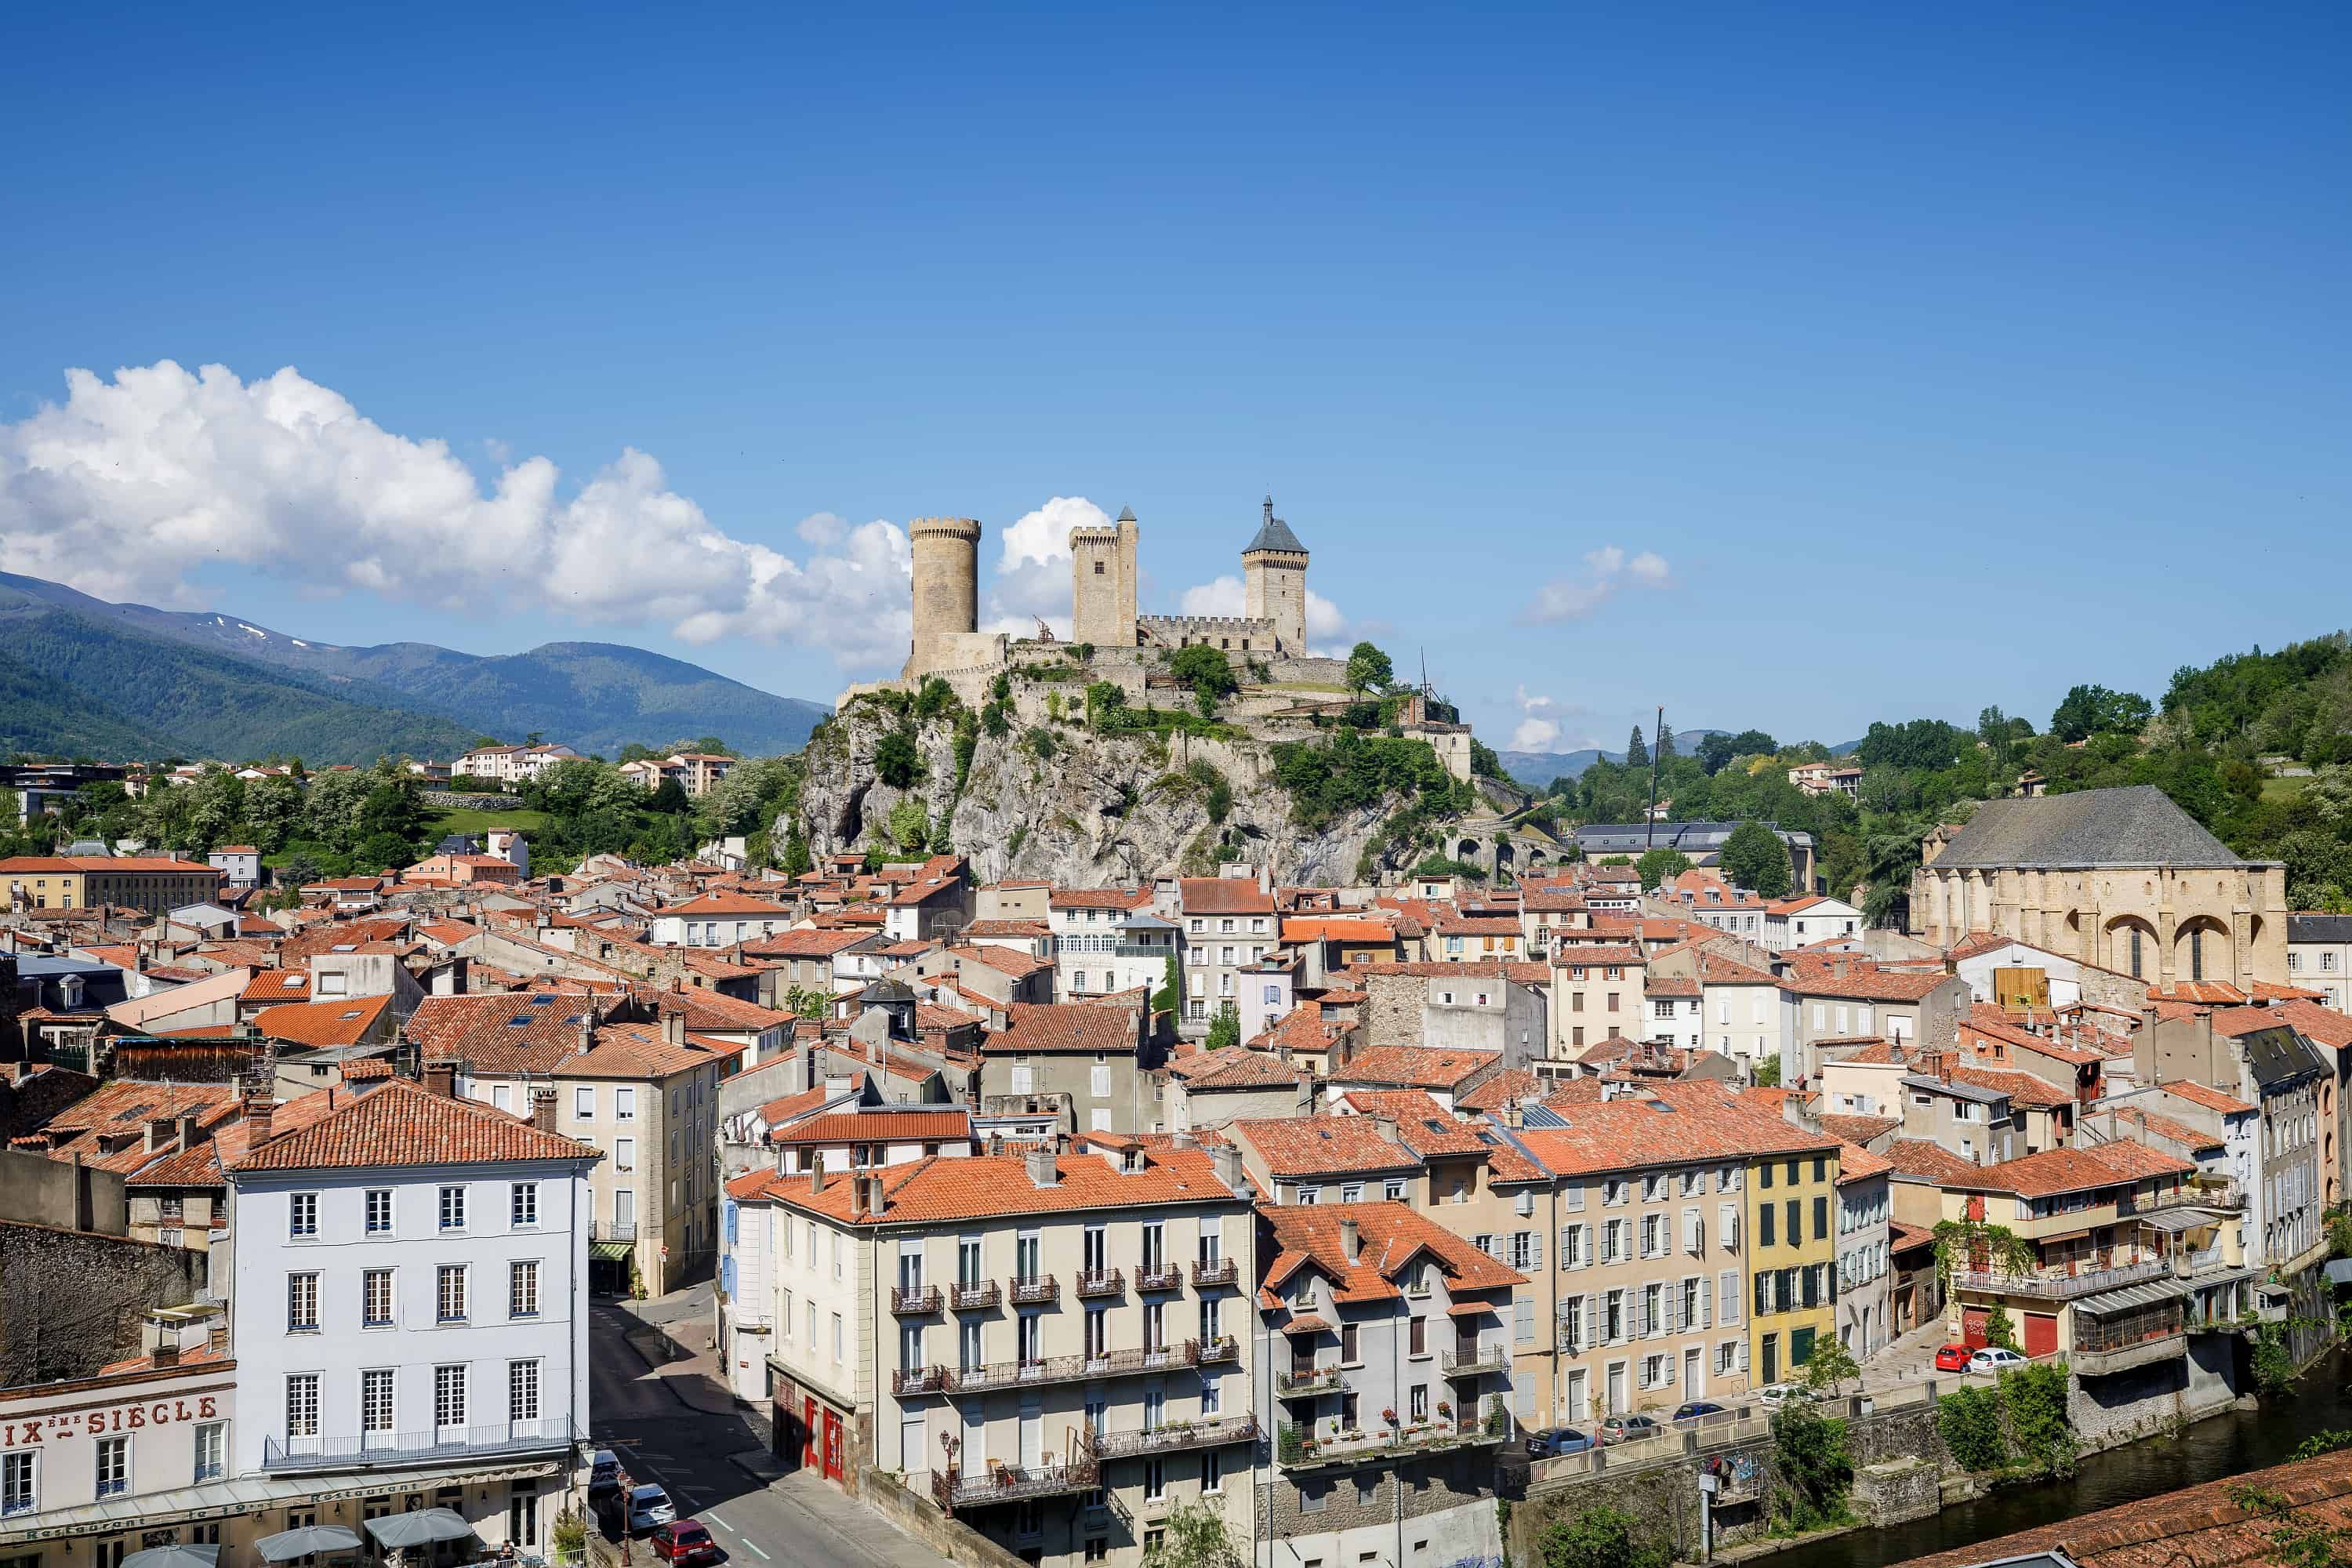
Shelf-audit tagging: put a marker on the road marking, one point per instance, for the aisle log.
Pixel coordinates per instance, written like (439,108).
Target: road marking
(752,1544)
(721,1523)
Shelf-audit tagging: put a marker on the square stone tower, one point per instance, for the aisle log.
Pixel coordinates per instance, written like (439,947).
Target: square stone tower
(1102,583)
(1274,581)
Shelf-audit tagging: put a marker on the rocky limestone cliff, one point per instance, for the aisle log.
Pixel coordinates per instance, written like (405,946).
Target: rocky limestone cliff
(1098,811)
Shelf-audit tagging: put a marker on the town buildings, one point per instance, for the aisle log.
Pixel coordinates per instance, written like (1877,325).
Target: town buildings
(152,884)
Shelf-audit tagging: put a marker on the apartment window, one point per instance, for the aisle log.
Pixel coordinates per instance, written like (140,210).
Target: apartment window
(522,1289)
(1155,1479)
(968,1352)
(1351,1193)
(450,1295)
(1349,1344)
(17,1493)
(1417,1337)
(524,1204)
(375,1298)
(625,1153)
(448,1397)
(303,1213)
(301,1303)
(453,1208)
(379,1211)
(113,1467)
(836,1338)
(624,1105)
(1213,1472)
(522,1391)
(302,1404)
(1764,1223)
(211,1451)
(1821,1216)
(375,1399)
(1393,1189)
(583,1104)
(1796,1222)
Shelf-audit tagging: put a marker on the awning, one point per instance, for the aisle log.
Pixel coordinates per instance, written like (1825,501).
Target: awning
(246,1495)
(616,1251)
(2175,1221)
(1310,1324)
(2151,1294)
(312,1539)
(2339,1271)
(423,1528)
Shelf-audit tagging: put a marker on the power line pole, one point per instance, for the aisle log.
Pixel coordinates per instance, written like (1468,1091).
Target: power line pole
(1650,825)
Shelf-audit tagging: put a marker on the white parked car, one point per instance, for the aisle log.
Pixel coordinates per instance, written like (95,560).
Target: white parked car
(1992,1359)
(1775,1395)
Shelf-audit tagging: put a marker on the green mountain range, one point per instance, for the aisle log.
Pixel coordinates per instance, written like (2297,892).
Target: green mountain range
(90,678)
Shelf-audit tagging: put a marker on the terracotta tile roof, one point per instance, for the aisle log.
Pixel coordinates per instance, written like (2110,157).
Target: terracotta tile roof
(1221,896)
(274,985)
(1980,942)
(1989,1020)
(498,1033)
(1511,1083)
(2075,1168)
(1338,927)
(365,1069)
(1598,955)
(2271,991)
(200,1355)
(1862,982)
(711,1012)
(731,904)
(1424,1125)
(637,1052)
(1241,1069)
(777,1112)
(1033,1027)
(1908,1237)
(2022,1088)
(1322,1146)
(804,943)
(1004,960)
(201,1165)
(1389,1237)
(1669,985)
(941,1190)
(2205,993)
(1303,1028)
(1856,1163)
(2180,1132)
(1716,969)
(2203,1525)
(340,1023)
(1098,897)
(1414,1067)
(947,1122)
(121,1108)
(1677,1123)
(400,1123)
(1859,1128)
(1008,928)
(1931,1161)
(2321,1025)
(2211,1098)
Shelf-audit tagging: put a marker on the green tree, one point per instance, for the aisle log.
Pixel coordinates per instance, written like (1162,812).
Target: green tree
(1225,1027)
(1171,995)
(2087,710)
(1193,1535)
(2035,1398)
(300,871)
(1660,866)
(1768,1073)
(1815,1466)
(1207,671)
(806,1003)
(1664,750)
(1637,756)
(897,762)
(797,861)
(2000,1328)
(1600,1537)
(1369,670)
(1830,1365)
(910,826)
(1969,1421)
(1755,857)
(1484,762)
(669,797)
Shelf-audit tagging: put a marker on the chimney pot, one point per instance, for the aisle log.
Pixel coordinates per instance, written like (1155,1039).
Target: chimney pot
(1351,1239)
(1042,1169)
(816,1171)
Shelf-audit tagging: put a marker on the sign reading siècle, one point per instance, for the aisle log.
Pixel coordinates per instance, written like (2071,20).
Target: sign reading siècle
(106,1421)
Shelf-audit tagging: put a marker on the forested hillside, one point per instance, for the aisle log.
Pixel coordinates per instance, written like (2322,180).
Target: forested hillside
(2205,744)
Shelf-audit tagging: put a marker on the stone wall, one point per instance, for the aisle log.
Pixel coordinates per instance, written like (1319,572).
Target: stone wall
(953,1539)
(71,1301)
(67,1194)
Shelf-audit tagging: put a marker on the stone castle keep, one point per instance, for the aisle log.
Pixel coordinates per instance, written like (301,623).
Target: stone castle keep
(1283,684)
(1103,576)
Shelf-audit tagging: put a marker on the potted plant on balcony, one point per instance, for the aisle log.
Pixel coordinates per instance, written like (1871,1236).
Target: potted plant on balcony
(1446,1408)
(1389,1416)
(1288,1445)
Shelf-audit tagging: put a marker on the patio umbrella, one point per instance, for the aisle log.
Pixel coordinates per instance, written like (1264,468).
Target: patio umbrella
(400,1531)
(174,1557)
(289,1544)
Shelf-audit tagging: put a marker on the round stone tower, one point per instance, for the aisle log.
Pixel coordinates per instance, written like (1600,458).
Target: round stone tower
(947,590)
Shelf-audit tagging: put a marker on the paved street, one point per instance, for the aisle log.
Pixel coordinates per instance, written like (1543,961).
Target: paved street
(673,1424)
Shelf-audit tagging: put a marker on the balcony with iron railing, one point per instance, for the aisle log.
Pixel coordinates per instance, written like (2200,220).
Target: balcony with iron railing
(1297,1452)
(1077,1368)
(1097,1282)
(612,1230)
(1159,1277)
(1213,1432)
(1207,1271)
(2058,1284)
(1307,1381)
(952,1489)
(910,1300)
(1218,1348)
(1472,1361)
(978,1293)
(437,1445)
(1037,1290)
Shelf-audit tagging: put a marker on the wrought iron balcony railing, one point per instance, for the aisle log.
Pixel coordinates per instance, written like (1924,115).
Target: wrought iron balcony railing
(978,1294)
(1096,1282)
(1213,1432)
(1209,1271)
(1038,1289)
(914,1300)
(952,1489)
(430,1446)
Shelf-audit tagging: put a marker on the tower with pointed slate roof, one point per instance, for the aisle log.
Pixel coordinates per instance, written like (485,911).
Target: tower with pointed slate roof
(1102,583)
(1274,581)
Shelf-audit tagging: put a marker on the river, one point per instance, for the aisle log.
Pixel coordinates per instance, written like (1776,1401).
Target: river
(2226,1444)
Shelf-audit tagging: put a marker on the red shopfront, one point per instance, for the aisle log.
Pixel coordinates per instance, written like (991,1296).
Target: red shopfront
(809,1432)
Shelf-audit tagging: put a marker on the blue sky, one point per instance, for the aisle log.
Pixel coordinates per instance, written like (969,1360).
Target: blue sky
(1921,362)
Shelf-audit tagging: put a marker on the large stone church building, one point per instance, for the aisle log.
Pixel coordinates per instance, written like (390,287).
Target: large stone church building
(2118,877)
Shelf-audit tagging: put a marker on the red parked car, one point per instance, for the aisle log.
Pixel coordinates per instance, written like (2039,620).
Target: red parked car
(1952,1358)
(685,1543)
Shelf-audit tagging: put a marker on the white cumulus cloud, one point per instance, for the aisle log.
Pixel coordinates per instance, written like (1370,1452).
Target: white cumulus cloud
(129,485)
(1538,729)
(1033,573)
(1227,595)
(1606,570)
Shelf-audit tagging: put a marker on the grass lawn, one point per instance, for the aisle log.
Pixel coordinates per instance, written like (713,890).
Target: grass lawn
(2281,790)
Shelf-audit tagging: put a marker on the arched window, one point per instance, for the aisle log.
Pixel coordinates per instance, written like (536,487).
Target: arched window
(2195,955)
(2135,955)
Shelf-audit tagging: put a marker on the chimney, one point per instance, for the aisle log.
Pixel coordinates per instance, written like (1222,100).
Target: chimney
(258,1110)
(1386,1127)
(1511,1116)
(816,1171)
(1351,1244)
(441,1079)
(1042,1171)
(192,1131)
(1225,1163)
(674,1025)
(870,1199)
(167,1350)
(160,1132)
(217,1339)
(543,1109)
(587,1026)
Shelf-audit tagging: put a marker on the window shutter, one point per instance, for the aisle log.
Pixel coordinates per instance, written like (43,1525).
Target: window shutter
(1592,1320)
(1730,1294)
(1535,1250)
(1705,1302)
(1763,1294)
(1576,1198)
(1567,1247)
(1690,1230)
(1743,1355)
(1640,1315)
(1523,1321)
(1726,1224)
(1673,1309)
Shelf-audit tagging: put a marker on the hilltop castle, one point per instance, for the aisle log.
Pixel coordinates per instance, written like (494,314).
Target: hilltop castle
(948,639)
